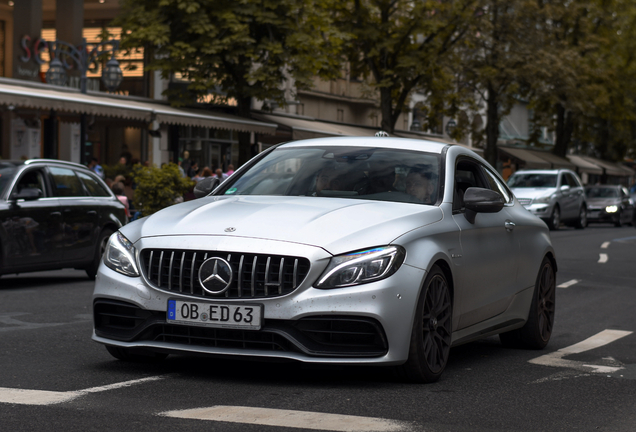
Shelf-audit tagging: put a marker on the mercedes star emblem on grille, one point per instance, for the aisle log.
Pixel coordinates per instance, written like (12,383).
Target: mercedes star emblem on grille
(215,275)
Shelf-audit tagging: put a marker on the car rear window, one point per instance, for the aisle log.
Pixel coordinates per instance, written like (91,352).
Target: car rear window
(95,188)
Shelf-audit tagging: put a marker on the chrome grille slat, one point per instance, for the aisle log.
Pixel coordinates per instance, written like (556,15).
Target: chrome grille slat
(170,271)
(181,272)
(150,265)
(254,276)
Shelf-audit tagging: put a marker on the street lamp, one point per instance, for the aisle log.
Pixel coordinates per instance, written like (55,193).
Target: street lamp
(82,58)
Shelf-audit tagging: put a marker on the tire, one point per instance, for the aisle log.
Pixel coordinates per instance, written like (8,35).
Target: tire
(536,332)
(129,355)
(431,332)
(555,219)
(91,270)
(581,222)
(618,222)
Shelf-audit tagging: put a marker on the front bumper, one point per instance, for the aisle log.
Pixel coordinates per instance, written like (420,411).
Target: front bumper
(600,215)
(543,211)
(365,324)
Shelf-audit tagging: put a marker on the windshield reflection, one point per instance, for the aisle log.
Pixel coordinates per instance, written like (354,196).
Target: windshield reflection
(343,172)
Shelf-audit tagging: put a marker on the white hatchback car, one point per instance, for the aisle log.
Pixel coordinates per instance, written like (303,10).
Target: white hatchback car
(344,251)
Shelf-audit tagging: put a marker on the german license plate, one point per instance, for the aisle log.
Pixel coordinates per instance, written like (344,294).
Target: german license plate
(243,316)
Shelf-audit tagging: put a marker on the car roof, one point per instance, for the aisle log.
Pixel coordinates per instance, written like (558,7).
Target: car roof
(539,171)
(374,142)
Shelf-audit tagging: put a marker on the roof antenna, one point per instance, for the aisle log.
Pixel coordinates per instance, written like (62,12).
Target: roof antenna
(382,134)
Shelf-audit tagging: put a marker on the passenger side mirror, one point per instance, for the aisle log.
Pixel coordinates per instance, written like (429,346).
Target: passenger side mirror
(205,186)
(27,194)
(479,200)
(565,188)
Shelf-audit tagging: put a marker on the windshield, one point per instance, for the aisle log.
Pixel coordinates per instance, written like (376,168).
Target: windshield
(342,172)
(601,192)
(527,180)
(7,171)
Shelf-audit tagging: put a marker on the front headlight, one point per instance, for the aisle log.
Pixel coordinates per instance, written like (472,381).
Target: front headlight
(611,209)
(120,255)
(542,200)
(361,267)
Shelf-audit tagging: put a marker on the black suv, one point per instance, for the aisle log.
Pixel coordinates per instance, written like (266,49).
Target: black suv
(54,215)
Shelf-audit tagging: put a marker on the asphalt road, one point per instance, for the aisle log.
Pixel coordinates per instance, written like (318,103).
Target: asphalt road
(53,377)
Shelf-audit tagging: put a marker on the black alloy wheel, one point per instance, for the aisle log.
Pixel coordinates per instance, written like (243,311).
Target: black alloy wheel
(536,332)
(431,333)
(619,219)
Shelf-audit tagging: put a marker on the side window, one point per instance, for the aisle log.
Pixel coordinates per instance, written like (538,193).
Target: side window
(32,179)
(94,187)
(467,174)
(572,181)
(66,183)
(495,184)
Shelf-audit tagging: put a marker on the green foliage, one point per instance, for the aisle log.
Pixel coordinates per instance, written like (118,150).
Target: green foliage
(234,49)
(158,188)
(402,45)
(112,171)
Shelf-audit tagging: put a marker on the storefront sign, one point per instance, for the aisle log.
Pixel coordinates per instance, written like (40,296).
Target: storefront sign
(33,50)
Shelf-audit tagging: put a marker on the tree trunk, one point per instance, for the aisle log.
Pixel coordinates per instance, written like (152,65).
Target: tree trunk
(564,129)
(492,127)
(386,108)
(244,105)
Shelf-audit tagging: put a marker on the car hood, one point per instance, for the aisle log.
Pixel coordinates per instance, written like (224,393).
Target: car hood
(337,225)
(602,202)
(532,193)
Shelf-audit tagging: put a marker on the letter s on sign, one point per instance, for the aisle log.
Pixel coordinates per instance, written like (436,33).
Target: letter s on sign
(24,43)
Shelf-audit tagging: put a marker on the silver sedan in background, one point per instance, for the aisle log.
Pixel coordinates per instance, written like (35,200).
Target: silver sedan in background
(363,251)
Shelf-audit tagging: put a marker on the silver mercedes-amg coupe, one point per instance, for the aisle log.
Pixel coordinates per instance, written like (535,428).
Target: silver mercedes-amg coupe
(381,251)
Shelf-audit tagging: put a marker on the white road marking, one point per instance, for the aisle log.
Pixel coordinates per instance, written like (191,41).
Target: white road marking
(34,397)
(602,258)
(45,397)
(568,283)
(288,418)
(605,245)
(120,385)
(603,338)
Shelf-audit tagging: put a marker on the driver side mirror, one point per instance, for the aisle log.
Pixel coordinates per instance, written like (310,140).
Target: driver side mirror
(27,194)
(565,188)
(479,200)
(205,186)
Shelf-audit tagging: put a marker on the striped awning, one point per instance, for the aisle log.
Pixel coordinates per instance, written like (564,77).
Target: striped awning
(61,99)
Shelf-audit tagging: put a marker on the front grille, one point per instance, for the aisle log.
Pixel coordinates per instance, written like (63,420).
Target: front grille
(254,276)
(221,338)
(524,201)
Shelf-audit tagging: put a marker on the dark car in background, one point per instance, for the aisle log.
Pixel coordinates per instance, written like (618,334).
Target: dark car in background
(609,203)
(54,215)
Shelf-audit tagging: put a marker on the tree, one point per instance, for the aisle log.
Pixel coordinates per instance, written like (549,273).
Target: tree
(235,50)
(401,45)
(500,55)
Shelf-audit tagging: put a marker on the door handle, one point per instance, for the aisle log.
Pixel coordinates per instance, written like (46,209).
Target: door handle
(92,213)
(510,225)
